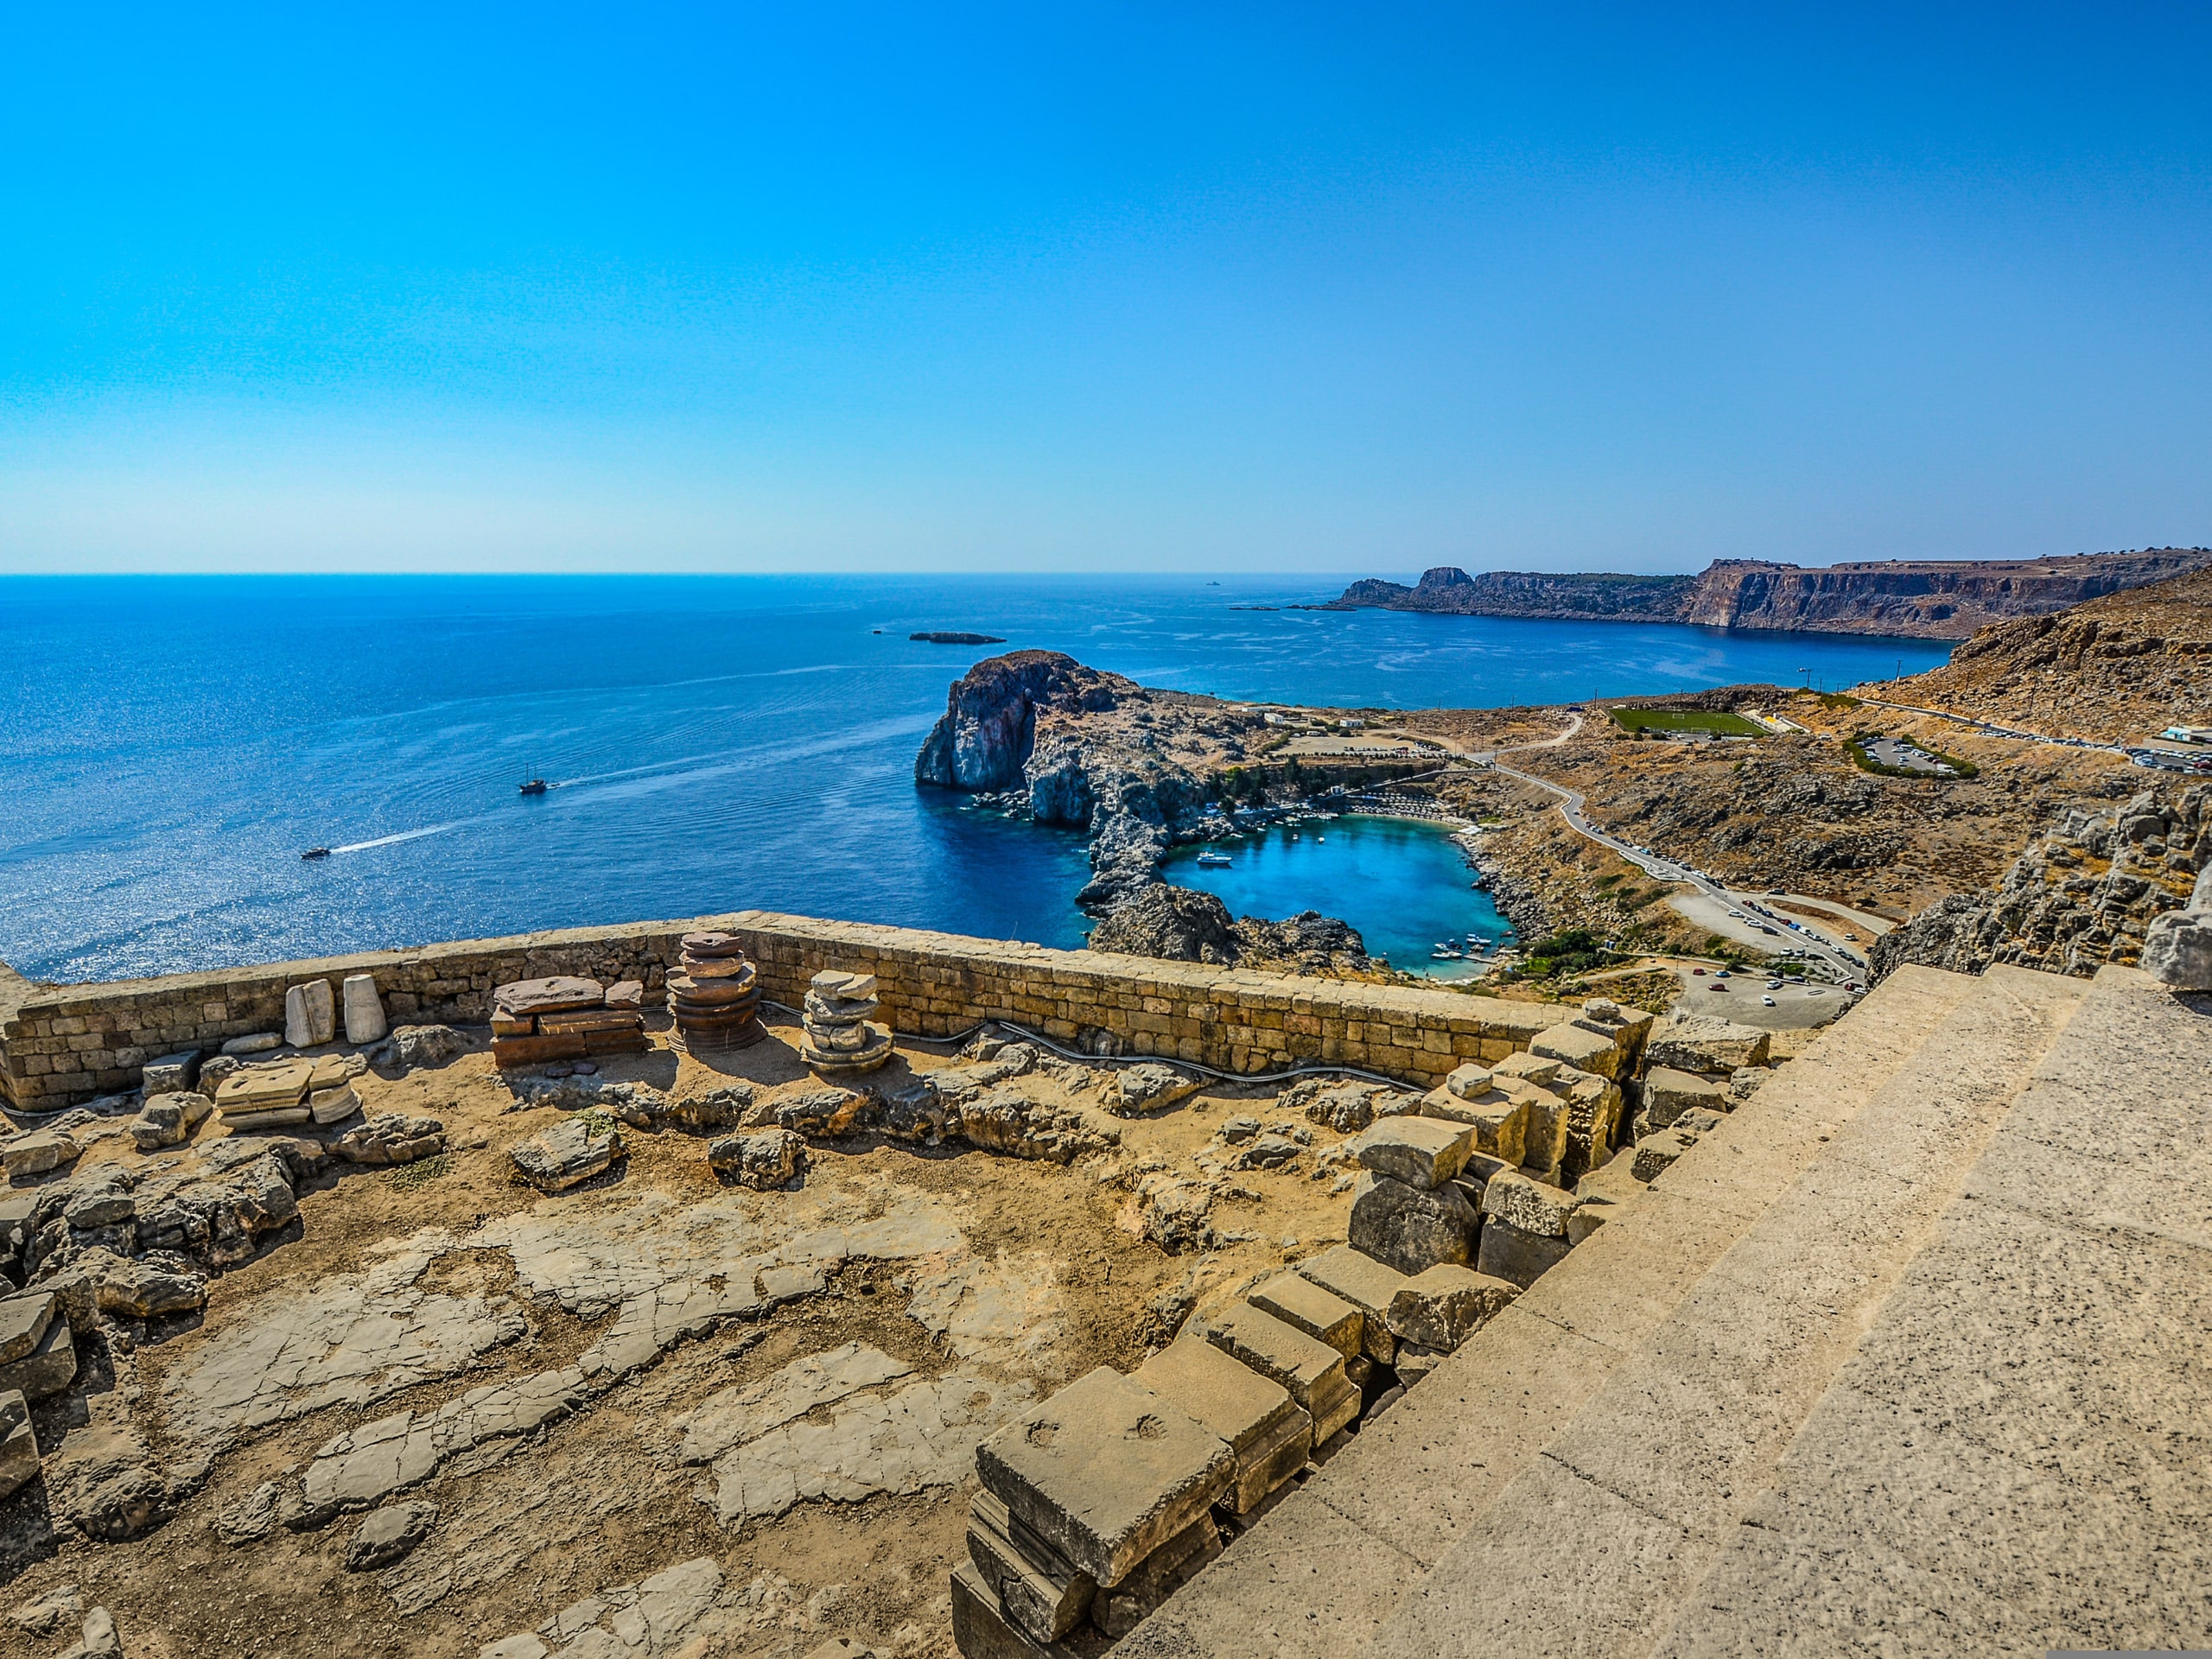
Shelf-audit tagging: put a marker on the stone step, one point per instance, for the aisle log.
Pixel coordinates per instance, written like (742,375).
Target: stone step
(1594,1547)
(2015,1459)
(1331,1565)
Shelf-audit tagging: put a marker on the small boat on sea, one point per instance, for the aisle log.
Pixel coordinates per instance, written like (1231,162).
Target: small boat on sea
(316,852)
(536,786)
(1213,860)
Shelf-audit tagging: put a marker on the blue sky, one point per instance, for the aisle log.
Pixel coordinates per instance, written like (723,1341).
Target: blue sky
(1097,287)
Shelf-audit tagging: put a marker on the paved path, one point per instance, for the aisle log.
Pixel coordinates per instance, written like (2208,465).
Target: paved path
(1716,900)
(1988,730)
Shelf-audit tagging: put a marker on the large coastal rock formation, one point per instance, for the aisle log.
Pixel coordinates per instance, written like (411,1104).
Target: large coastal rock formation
(2084,893)
(1938,598)
(1070,745)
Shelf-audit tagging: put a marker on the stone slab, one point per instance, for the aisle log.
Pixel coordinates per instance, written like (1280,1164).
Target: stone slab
(1106,1470)
(1357,1278)
(1304,1306)
(1270,1432)
(1312,1371)
(554,993)
(1533,1207)
(1038,1593)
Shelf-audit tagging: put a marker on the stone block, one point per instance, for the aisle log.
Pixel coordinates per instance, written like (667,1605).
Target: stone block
(567,1154)
(311,1014)
(1532,1206)
(1408,1229)
(1440,1308)
(1300,1303)
(257,1042)
(1702,1044)
(1367,1284)
(1268,1430)
(1667,1093)
(18,1443)
(1106,1470)
(1657,1153)
(1527,1068)
(1312,1371)
(1422,1151)
(1585,1050)
(1039,1592)
(1499,1118)
(1508,1253)
(1589,1216)
(1159,1575)
(365,1015)
(49,1366)
(170,1073)
(981,1628)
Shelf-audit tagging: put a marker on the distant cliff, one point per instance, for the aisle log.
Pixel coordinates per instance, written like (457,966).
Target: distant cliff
(1932,599)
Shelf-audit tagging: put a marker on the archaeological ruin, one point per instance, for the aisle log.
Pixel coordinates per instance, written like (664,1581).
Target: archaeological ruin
(758,1285)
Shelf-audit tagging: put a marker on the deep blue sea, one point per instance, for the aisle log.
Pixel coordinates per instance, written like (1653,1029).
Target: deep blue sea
(169,745)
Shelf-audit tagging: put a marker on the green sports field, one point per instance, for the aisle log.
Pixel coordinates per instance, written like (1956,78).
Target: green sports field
(1686,720)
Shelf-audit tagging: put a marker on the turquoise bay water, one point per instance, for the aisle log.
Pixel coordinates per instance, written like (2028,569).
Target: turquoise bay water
(1407,881)
(169,745)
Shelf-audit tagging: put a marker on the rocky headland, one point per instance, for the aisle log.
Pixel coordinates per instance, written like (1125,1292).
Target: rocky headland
(1142,770)
(1933,599)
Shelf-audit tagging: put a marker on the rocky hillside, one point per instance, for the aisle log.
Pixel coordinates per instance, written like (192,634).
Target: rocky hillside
(2111,669)
(2081,894)
(1932,599)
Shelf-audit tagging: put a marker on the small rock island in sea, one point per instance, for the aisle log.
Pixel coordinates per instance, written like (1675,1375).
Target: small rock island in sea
(941,637)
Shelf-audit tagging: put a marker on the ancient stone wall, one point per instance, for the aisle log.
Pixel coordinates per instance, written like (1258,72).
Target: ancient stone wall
(66,1044)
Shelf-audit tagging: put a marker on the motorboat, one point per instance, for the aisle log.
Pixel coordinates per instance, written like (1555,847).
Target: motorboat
(1213,860)
(316,852)
(536,786)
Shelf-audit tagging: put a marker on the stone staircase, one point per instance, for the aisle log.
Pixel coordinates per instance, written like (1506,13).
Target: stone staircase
(1903,1358)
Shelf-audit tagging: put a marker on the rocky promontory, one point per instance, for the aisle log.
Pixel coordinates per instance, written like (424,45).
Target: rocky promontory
(1065,744)
(1935,599)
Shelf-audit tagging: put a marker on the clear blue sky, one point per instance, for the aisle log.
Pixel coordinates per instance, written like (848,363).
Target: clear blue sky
(1338,289)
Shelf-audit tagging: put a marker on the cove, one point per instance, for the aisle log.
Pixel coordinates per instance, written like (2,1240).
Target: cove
(1404,883)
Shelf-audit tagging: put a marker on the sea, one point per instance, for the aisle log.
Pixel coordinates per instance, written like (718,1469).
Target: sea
(169,747)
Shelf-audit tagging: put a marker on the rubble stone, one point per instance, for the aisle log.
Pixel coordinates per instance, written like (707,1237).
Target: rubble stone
(761,1159)
(567,1154)
(100,1482)
(389,1138)
(1148,1086)
(170,1074)
(37,1152)
(49,1363)
(388,1535)
(18,1443)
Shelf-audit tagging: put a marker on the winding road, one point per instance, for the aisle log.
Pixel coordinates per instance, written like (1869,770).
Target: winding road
(1708,903)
